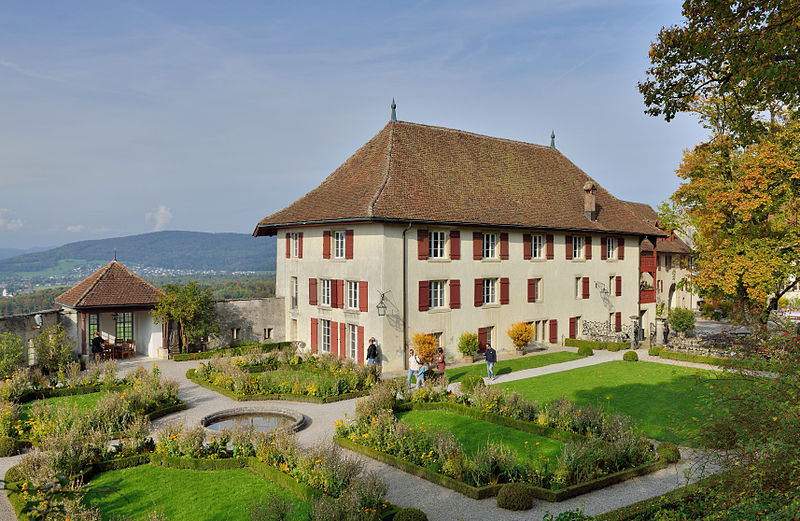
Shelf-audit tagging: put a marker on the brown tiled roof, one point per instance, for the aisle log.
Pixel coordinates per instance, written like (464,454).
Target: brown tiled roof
(111,285)
(413,172)
(672,244)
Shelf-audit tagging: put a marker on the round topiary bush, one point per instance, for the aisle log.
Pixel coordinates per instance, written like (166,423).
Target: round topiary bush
(515,496)
(630,356)
(585,351)
(655,351)
(470,382)
(410,514)
(668,452)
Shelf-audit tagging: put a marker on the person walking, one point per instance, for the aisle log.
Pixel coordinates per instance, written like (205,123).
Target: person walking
(372,352)
(666,332)
(414,363)
(440,363)
(97,346)
(491,359)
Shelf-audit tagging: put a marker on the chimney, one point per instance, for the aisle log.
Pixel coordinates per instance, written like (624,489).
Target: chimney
(589,202)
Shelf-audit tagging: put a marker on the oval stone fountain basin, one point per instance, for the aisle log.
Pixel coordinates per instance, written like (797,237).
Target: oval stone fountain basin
(262,419)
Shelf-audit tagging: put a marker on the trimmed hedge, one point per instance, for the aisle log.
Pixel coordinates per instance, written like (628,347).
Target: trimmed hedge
(158,413)
(190,375)
(630,356)
(585,351)
(755,365)
(410,514)
(230,351)
(515,496)
(609,346)
(655,350)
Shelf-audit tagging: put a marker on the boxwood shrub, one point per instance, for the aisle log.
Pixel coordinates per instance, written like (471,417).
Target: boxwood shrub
(630,356)
(655,350)
(238,350)
(515,496)
(410,514)
(585,351)
(610,346)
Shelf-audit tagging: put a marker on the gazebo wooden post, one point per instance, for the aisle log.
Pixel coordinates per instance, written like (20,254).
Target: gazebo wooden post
(82,319)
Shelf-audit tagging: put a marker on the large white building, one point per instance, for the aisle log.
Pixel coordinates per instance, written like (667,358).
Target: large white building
(454,232)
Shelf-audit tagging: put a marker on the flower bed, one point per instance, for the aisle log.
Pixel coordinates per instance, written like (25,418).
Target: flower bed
(600,448)
(322,380)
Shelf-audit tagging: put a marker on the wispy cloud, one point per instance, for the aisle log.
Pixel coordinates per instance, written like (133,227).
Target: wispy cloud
(75,228)
(8,221)
(159,219)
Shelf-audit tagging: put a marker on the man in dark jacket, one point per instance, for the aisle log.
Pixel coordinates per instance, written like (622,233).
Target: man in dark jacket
(372,352)
(97,346)
(491,359)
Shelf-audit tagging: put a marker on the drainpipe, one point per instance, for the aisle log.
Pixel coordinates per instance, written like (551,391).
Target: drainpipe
(405,297)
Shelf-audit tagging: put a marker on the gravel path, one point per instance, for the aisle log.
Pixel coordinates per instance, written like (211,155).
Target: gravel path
(441,504)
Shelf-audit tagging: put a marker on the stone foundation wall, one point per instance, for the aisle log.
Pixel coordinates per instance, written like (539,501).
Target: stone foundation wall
(256,320)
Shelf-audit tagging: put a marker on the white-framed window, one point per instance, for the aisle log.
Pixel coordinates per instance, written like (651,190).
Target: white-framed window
(489,245)
(436,289)
(124,329)
(339,245)
(325,335)
(325,292)
(436,242)
(537,247)
(611,322)
(352,294)
(438,337)
(578,287)
(293,290)
(611,248)
(295,244)
(235,333)
(489,293)
(94,324)
(577,247)
(267,333)
(352,341)
(537,290)
(490,336)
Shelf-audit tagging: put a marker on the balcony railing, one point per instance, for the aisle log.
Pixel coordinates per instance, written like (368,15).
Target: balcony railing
(646,296)
(647,264)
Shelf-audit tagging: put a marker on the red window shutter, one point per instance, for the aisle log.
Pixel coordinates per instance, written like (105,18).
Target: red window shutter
(477,245)
(588,248)
(343,340)
(314,332)
(340,292)
(618,285)
(568,243)
(504,283)
(348,244)
(326,245)
(504,246)
(422,244)
(455,294)
(334,337)
(531,290)
(553,331)
(312,292)
(455,244)
(585,287)
(618,321)
(424,295)
(361,345)
(334,294)
(549,247)
(482,338)
(527,246)
(478,293)
(573,327)
(300,245)
(620,248)
(603,249)
(288,245)
(363,295)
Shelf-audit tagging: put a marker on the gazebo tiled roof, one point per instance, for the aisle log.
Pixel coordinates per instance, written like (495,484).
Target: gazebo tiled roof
(113,285)
(414,172)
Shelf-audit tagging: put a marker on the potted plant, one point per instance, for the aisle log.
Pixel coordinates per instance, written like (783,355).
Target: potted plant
(467,345)
(681,320)
(521,334)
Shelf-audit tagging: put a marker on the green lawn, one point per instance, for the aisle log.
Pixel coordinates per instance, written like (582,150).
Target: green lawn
(83,401)
(190,495)
(455,374)
(667,401)
(473,433)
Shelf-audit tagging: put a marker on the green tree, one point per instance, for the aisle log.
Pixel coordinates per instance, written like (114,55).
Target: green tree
(53,348)
(681,320)
(11,353)
(730,61)
(192,308)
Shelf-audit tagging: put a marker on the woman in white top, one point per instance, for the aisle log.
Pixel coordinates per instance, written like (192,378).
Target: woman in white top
(413,365)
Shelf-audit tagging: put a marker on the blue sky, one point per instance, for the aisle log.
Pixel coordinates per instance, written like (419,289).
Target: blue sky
(119,118)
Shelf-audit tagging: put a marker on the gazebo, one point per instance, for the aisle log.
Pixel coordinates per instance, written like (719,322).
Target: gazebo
(118,303)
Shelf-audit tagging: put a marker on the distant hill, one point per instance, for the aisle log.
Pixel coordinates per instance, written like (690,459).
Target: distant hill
(172,250)
(13,252)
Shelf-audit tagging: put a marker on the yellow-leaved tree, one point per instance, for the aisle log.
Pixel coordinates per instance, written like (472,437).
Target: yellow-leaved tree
(520,333)
(425,346)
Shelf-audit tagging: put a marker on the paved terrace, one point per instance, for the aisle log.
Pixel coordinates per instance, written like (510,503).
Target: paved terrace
(439,503)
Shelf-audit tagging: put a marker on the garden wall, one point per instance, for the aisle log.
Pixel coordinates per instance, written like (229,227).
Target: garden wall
(256,320)
(24,326)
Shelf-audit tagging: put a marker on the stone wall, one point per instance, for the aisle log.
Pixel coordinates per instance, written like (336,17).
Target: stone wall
(25,327)
(257,320)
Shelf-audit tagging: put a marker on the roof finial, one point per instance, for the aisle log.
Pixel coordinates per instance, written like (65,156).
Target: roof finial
(394,114)
(115,255)
(553,140)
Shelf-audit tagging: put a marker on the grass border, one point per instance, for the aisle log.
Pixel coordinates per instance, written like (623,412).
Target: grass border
(190,375)
(755,365)
(229,351)
(42,394)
